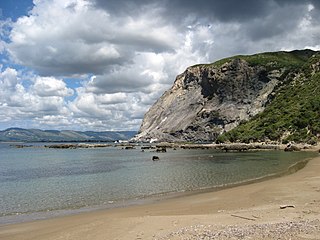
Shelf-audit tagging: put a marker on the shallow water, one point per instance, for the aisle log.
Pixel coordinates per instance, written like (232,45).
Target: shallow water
(39,180)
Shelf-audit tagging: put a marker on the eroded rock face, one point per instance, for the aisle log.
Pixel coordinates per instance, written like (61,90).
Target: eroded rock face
(207,100)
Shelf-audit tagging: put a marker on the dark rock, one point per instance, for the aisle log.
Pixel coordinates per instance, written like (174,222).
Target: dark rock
(129,147)
(146,147)
(62,146)
(291,148)
(21,146)
(163,149)
(155,158)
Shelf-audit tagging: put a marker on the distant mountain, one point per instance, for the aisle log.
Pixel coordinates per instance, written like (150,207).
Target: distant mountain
(37,135)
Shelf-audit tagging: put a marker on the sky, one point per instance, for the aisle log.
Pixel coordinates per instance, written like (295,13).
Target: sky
(99,65)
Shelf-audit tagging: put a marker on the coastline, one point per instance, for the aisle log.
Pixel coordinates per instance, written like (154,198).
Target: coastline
(209,210)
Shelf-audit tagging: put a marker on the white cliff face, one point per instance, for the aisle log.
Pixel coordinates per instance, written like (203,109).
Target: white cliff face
(207,100)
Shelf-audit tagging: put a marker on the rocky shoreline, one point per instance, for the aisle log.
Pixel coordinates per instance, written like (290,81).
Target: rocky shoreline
(239,147)
(161,147)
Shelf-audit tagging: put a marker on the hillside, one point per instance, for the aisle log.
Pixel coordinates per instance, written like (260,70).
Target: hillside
(293,113)
(263,97)
(36,135)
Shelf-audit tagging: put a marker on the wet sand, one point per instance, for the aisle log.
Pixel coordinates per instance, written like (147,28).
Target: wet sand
(245,212)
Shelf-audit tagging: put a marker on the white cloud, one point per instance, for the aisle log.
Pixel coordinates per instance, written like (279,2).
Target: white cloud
(43,97)
(8,79)
(114,98)
(72,37)
(50,86)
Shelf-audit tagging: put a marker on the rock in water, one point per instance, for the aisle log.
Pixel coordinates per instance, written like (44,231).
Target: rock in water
(207,100)
(155,158)
(291,148)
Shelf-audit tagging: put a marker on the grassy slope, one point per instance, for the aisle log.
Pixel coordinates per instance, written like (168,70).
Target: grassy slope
(294,113)
(271,60)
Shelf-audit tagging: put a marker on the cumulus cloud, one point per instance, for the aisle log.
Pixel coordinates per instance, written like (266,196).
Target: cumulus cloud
(125,54)
(42,97)
(49,86)
(72,37)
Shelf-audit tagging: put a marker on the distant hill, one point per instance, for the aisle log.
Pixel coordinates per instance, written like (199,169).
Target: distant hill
(37,135)
(273,96)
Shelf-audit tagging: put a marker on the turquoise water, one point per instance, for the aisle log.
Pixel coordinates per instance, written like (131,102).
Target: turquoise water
(35,181)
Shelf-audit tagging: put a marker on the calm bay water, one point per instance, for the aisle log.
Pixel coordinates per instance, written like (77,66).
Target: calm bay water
(38,181)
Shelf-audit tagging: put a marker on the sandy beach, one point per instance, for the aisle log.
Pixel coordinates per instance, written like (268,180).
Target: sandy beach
(283,208)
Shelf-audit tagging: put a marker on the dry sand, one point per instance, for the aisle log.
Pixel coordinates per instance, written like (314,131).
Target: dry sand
(245,212)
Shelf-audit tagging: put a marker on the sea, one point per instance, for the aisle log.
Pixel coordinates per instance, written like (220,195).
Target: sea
(38,183)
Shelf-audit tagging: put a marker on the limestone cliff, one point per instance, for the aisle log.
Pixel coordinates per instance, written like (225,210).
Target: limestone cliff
(207,100)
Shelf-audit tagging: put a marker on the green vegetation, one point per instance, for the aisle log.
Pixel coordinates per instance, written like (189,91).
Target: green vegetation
(270,60)
(294,112)
(273,60)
